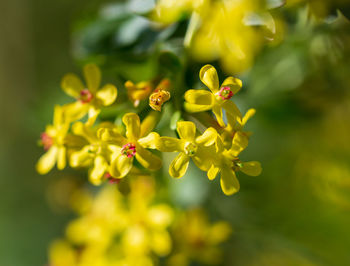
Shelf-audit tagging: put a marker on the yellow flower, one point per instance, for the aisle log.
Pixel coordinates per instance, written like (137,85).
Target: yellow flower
(223,35)
(134,145)
(53,141)
(197,239)
(96,154)
(138,92)
(189,146)
(90,98)
(217,99)
(227,163)
(235,124)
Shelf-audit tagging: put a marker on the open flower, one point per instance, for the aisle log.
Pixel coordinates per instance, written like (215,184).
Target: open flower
(90,98)
(235,124)
(53,141)
(189,146)
(227,163)
(217,98)
(133,145)
(96,154)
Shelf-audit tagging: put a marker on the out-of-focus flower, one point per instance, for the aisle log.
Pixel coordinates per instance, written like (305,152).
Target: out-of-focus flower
(189,146)
(227,163)
(89,98)
(224,35)
(196,239)
(169,11)
(117,230)
(138,92)
(96,153)
(217,99)
(53,141)
(134,145)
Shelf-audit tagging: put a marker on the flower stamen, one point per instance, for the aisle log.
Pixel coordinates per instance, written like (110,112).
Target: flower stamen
(46,141)
(86,96)
(129,150)
(190,148)
(225,93)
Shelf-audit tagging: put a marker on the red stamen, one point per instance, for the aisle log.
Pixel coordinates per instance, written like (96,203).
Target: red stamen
(225,93)
(129,150)
(86,96)
(46,141)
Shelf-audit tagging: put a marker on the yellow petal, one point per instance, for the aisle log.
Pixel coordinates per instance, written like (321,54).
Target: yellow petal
(149,122)
(147,159)
(179,165)
(209,77)
(204,157)
(61,158)
(111,136)
(186,130)
(239,143)
(195,108)
(75,111)
(251,168)
(161,243)
(231,108)
(82,158)
(150,141)
(208,137)
(72,85)
(218,114)
(47,160)
(92,76)
(107,94)
(58,116)
(93,114)
(199,97)
(85,131)
(234,83)
(228,181)
(132,123)
(213,172)
(219,232)
(168,144)
(121,166)
(247,116)
(160,216)
(97,172)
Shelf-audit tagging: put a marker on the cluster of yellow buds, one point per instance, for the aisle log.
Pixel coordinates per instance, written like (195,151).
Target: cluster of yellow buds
(134,229)
(108,152)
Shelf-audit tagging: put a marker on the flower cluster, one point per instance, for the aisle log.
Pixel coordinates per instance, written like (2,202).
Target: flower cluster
(131,229)
(109,152)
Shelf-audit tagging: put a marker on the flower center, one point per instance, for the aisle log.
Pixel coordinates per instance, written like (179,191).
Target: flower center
(237,164)
(190,148)
(157,99)
(225,93)
(86,96)
(129,150)
(46,141)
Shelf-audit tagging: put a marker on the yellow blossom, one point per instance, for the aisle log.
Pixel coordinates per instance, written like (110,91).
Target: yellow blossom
(217,99)
(96,154)
(235,124)
(227,163)
(90,98)
(197,239)
(190,146)
(133,145)
(53,141)
(160,95)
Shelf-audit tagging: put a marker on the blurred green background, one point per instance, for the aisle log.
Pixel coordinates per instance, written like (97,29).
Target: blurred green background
(295,213)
